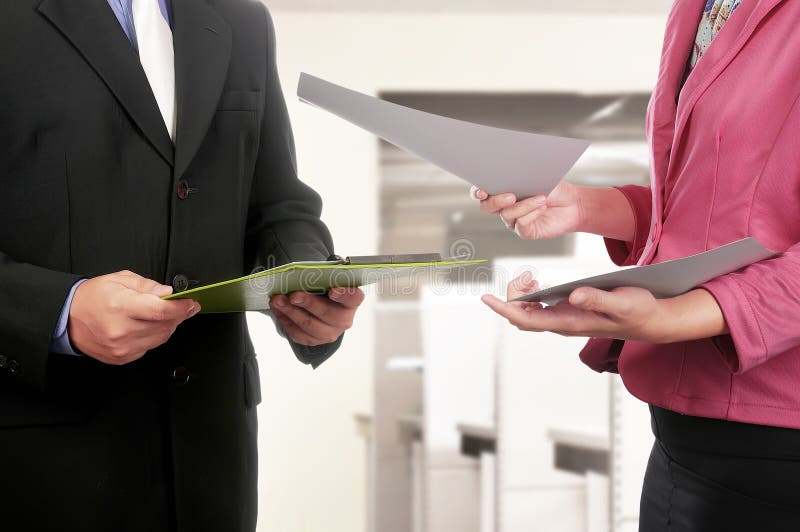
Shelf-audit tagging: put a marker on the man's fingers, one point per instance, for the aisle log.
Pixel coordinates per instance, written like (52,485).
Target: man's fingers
(522,285)
(347,297)
(307,322)
(316,320)
(141,284)
(494,204)
(294,331)
(148,307)
(322,308)
(161,290)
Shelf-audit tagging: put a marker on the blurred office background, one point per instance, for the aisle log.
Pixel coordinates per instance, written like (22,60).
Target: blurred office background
(435,416)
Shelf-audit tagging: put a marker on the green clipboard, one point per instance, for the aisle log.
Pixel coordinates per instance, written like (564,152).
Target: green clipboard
(252,292)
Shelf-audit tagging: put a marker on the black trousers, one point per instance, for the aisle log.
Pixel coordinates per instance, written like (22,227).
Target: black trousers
(707,475)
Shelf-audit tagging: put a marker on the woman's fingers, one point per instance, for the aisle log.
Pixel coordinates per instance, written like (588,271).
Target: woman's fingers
(534,320)
(567,320)
(522,285)
(511,214)
(611,303)
(494,204)
(525,225)
(478,193)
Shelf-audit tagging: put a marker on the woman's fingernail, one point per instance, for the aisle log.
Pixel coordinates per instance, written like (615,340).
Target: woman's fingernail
(297,299)
(527,277)
(482,195)
(508,200)
(578,298)
(280,302)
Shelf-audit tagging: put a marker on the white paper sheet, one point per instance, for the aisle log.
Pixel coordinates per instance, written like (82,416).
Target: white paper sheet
(667,279)
(497,160)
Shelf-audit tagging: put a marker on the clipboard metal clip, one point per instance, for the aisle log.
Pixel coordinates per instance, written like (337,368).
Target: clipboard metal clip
(389,259)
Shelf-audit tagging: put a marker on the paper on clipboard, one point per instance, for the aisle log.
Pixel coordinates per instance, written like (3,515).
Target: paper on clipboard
(497,160)
(667,279)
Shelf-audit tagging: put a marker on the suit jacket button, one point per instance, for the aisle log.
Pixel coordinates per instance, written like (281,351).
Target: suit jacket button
(14,367)
(181,375)
(180,283)
(184,189)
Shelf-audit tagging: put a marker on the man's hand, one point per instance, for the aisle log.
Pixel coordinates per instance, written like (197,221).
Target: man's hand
(117,318)
(317,320)
(625,313)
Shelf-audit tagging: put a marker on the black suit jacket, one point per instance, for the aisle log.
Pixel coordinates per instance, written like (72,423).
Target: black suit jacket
(89,185)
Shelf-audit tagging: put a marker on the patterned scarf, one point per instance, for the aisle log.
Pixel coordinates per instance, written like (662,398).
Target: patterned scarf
(715,14)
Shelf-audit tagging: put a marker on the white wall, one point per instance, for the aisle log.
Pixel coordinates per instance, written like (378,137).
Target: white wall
(492,6)
(312,463)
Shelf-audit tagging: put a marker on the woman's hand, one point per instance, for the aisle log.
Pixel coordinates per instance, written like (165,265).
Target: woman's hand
(624,313)
(538,217)
(567,209)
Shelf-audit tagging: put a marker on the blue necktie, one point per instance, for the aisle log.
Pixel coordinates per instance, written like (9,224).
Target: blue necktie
(123,9)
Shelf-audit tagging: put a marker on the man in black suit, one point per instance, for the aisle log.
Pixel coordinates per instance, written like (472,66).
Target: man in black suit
(124,176)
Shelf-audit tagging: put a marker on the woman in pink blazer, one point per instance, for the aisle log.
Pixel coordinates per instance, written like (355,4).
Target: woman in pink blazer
(720,365)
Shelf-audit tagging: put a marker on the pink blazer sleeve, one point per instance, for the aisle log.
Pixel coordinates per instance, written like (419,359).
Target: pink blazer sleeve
(761,304)
(628,253)
(601,354)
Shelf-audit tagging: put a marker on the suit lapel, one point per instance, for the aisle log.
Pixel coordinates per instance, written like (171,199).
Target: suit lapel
(94,31)
(202,41)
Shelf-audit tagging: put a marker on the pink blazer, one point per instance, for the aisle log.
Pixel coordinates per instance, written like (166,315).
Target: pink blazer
(725,164)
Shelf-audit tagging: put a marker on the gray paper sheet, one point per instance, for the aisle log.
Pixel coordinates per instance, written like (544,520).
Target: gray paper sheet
(667,279)
(497,160)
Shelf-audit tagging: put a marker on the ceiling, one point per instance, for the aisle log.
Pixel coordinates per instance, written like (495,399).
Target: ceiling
(654,7)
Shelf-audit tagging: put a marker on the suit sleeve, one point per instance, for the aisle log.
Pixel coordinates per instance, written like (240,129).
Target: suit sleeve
(284,222)
(628,253)
(31,300)
(760,304)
